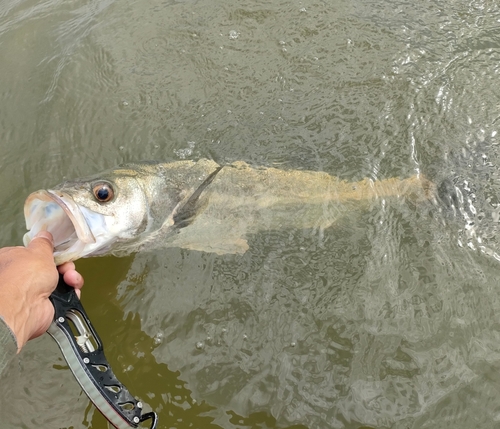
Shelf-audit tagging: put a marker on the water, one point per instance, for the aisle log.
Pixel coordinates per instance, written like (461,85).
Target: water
(389,319)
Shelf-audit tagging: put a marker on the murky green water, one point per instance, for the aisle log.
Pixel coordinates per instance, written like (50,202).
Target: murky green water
(389,319)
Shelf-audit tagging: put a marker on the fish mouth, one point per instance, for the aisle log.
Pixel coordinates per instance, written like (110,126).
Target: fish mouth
(57,213)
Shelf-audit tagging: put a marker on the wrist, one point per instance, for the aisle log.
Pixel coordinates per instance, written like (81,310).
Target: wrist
(12,335)
(15,314)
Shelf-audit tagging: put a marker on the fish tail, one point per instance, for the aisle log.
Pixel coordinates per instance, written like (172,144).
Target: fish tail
(448,194)
(454,198)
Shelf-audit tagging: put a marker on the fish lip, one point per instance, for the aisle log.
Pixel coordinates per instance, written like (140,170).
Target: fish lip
(70,208)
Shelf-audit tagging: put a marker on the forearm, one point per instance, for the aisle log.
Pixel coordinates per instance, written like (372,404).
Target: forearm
(8,345)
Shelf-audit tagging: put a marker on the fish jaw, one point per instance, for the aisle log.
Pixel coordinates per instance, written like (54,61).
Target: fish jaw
(77,231)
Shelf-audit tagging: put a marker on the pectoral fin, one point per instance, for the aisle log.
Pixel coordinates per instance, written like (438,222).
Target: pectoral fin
(220,247)
(194,204)
(209,238)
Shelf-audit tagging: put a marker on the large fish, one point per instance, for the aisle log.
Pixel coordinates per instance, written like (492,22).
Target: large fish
(196,205)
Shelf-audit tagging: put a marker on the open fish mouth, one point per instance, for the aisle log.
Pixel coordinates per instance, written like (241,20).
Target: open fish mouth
(57,213)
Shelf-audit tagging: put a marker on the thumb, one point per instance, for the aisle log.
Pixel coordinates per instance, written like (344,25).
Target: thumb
(42,242)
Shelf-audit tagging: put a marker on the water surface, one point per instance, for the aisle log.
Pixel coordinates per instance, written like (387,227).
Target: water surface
(388,319)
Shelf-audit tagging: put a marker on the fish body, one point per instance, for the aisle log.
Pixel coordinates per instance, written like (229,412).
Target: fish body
(195,205)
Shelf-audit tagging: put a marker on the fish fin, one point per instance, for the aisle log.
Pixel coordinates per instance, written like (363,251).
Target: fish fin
(220,247)
(186,214)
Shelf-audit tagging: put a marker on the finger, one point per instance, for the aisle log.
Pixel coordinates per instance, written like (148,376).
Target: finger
(73,278)
(67,266)
(42,242)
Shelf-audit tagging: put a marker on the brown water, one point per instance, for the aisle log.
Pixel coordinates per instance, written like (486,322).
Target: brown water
(389,319)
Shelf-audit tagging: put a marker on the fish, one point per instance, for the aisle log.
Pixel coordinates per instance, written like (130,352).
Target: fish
(198,205)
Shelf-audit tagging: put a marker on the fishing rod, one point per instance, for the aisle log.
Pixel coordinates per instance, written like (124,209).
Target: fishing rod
(83,351)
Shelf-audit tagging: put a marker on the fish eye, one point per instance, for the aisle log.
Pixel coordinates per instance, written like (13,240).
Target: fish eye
(103,192)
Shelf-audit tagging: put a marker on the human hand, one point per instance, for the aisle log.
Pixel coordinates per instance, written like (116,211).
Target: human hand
(28,276)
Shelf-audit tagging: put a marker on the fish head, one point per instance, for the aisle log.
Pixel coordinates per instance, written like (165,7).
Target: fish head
(89,217)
